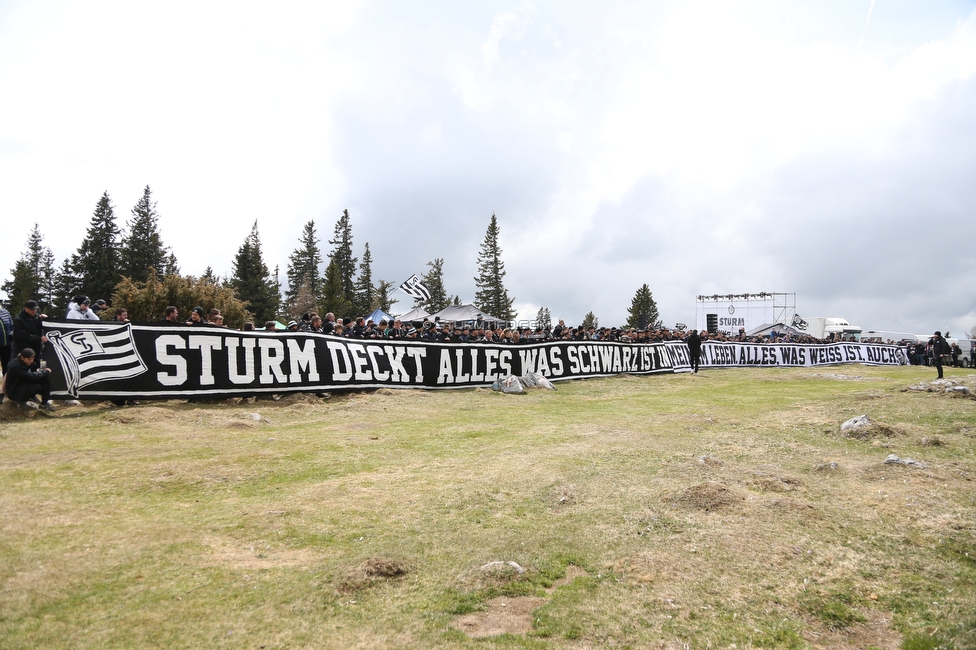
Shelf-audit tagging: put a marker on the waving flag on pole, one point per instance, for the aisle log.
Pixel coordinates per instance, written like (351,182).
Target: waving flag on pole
(799,323)
(414,288)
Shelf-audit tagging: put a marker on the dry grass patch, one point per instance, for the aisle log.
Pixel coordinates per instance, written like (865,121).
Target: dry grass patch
(362,520)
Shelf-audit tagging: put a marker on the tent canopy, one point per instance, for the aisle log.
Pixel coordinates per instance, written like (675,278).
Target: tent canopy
(465,313)
(379,315)
(414,314)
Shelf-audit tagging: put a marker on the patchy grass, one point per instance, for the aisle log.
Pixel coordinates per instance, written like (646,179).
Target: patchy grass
(710,510)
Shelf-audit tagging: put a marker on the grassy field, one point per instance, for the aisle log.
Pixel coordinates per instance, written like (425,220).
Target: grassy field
(719,510)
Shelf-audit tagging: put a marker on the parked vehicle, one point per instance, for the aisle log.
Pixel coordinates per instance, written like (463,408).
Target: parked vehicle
(821,327)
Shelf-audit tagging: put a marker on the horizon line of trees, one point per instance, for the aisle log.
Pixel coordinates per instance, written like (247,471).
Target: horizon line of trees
(132,266)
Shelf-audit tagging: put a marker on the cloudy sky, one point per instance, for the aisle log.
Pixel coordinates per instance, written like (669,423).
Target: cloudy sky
(822,148)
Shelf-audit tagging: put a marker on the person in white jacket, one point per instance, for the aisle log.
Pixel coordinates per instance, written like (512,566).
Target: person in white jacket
(80,309)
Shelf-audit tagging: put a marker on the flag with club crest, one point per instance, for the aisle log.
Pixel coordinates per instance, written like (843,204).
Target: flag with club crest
(96,353)
(414,288)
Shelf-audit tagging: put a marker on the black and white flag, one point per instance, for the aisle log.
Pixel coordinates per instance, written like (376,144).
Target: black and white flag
(799,323)
(414,288)
(92,355)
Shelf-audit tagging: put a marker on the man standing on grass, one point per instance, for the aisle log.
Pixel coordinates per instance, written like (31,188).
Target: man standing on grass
(694,348)
(940,349)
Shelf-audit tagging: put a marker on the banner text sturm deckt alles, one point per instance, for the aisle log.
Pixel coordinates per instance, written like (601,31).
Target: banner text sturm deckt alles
(107,360)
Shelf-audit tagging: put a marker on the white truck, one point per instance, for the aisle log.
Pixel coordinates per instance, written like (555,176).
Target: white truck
(821,327)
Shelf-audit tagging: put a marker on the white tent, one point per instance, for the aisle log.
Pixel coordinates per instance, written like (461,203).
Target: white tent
(466,314)
(414,314)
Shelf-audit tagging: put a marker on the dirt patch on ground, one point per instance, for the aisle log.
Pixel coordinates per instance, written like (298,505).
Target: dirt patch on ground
(510,615)
(504,616)
(709,496)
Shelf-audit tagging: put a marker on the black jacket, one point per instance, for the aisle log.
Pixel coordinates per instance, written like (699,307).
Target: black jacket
(27,334)
(18,374)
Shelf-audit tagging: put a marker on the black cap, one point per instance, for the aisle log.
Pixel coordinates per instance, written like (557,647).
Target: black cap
(31,304)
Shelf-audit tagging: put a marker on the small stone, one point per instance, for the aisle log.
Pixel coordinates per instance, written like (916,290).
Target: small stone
(503,565)
(856,423)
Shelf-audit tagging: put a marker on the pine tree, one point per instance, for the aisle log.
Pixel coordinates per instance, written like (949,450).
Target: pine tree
(66,285)
(643,310)
(434,281)
(251,280)
(96,263)
(276,290)
(491,295)
(590,320)
(32,277)
(170,266)
(342,256)
(303,301)
(382,296)
(209,277)
(303,266)
(142,246)
(543,318)
(333,299)
(364,285)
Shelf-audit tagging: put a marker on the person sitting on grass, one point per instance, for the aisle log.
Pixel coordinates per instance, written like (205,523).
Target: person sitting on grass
(22,384)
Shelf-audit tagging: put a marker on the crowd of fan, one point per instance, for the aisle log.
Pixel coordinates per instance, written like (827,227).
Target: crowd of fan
(475,331)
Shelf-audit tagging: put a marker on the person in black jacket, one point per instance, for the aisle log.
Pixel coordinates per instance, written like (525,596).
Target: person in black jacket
(694,347)
(940,349)
(28,332)
(22,383)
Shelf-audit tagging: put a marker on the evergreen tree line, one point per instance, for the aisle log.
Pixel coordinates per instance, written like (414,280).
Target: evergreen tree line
(132,267)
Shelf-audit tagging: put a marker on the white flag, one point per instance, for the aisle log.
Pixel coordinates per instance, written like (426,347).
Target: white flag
(414,288)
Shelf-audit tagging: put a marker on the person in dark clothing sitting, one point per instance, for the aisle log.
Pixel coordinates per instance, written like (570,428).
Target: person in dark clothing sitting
(21,383)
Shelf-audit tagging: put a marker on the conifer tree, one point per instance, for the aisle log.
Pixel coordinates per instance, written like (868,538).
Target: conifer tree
(543,318)
(303,266)
(32,277)
(491,295)
(434,281)
(382,296)
(96,264)
(364,285)
(643,310)
(66,285)
(590,320)
(333,298)
(251,280)
(342,256)
(302,302)
(142,245)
